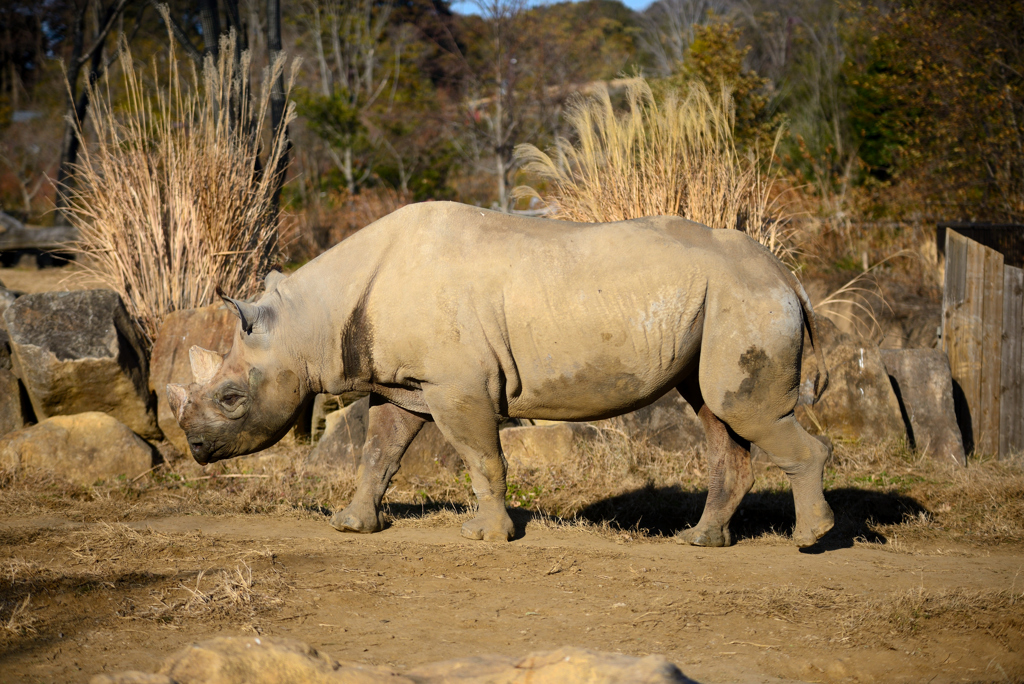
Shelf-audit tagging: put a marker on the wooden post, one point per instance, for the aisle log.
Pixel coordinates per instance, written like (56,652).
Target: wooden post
(1011,395)
(972,306)
(987,440)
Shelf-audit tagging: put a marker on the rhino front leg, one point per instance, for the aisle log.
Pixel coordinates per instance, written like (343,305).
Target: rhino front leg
(390,432)
(470,425)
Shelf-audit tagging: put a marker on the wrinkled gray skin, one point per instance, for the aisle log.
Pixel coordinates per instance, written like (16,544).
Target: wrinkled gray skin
(464,316)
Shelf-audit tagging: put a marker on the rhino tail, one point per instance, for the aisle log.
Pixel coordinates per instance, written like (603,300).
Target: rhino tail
(821,377)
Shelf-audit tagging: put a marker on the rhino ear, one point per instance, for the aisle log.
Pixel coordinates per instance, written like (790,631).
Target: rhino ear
(177,396)
(272,280)
(205,364)
(249,314)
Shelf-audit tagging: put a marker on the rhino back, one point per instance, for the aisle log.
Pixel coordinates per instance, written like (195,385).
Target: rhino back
(560,320)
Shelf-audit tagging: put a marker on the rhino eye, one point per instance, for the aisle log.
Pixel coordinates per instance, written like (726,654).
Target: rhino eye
(231,400)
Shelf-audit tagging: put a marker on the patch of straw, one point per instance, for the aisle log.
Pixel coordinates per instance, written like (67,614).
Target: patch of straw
(677,157)
(170,200)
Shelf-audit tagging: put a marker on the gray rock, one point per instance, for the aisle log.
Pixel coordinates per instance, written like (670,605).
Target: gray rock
(15,410)
(428,457)
(924,386)
(859,402)
(7,297)
(79,351)
(323,405)
(211,327)
(668,423)
(83,448)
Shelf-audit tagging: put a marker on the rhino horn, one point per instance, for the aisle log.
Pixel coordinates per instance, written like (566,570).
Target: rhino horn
(205,364)
(177,396)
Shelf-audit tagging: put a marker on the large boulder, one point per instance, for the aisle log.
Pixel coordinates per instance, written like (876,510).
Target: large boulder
(274,660)
(668,423)
(211,327)
(83,448)
(924,386)
(79,351)
(859,402)
(542,446)
(323,406)
(341,445)
(5,350)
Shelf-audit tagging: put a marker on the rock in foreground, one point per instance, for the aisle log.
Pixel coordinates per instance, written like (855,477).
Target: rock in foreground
(261,660)
(78,352)
(83,448)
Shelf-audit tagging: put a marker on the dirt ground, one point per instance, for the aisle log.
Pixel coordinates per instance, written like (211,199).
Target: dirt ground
(115,596)
(921,581)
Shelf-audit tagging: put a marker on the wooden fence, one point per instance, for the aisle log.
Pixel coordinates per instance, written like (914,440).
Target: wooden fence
(983,335)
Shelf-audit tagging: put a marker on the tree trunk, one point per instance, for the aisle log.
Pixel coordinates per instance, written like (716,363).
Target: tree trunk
(209,18)
(78,105)
(69,144)
(277,100)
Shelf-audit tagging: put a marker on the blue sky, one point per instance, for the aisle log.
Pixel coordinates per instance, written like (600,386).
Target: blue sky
(470,8)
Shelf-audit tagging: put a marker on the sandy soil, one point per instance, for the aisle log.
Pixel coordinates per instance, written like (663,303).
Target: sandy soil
(29,279)
(124,597)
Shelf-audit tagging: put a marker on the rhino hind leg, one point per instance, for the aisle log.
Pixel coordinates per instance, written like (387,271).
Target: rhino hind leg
(471,428)
(730,476)
(748,374)
(802,458)
(391,430)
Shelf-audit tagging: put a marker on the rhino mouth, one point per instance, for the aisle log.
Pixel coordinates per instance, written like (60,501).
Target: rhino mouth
(206,451)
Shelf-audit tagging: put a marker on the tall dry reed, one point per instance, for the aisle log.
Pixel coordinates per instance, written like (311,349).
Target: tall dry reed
(169,199)
(675,157)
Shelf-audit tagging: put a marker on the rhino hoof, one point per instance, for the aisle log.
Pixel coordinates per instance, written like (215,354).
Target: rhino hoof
(349,521)
(480,528)
(706,536)
(805,538)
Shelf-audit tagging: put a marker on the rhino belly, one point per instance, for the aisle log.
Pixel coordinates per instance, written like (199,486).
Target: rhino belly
(595,374)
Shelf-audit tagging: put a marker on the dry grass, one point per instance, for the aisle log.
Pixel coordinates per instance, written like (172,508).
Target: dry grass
(324,224)
(168,200)
(677,157)
(854,620)
(884,495)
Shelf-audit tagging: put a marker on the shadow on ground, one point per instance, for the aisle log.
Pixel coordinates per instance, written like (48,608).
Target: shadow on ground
(666,511)
(108,592)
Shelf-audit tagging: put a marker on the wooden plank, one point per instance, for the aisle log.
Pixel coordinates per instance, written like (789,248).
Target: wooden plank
(955,331)
(1011,396)
(986,438)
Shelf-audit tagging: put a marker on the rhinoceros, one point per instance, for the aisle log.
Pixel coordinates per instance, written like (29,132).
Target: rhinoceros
(465,316)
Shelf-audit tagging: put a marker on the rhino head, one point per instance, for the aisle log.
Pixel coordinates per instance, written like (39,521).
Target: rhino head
(241,402)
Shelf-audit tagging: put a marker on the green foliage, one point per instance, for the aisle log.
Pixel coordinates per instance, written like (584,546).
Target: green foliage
(715,58)
(332,117)
(937,96)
